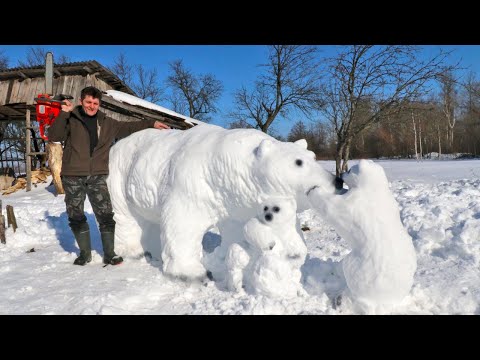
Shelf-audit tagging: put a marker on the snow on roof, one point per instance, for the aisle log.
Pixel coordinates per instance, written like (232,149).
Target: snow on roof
(133,100)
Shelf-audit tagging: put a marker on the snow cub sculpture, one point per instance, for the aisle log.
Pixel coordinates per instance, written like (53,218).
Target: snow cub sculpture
(380,268)
(269,261)
(276,227)
(170,187)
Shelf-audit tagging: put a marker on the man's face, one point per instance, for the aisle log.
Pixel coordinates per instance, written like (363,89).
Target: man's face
(90,105)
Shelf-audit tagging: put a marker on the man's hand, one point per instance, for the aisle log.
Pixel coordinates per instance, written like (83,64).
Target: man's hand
(68,106)
(159,125)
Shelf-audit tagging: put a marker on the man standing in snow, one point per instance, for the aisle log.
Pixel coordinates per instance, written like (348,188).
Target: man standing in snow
(87,135)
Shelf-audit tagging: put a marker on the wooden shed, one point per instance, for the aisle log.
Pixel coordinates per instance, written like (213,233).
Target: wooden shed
(20,86)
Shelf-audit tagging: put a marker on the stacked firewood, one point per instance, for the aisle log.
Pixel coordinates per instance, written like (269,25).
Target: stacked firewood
(38,176)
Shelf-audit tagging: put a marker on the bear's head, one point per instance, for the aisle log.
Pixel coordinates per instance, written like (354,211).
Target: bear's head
(278,211)
(287,168)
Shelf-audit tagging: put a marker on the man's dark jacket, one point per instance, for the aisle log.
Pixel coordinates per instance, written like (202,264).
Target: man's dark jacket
(70,128)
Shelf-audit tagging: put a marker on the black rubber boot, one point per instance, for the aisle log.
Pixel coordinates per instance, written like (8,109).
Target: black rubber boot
(338,183)
(82,236)
(109,256)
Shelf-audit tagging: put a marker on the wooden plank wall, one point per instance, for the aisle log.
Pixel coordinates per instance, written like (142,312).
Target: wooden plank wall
(13,94)
(3,91)
(58,84)
(36,87)
(118,116)
(22,91)
(39,89)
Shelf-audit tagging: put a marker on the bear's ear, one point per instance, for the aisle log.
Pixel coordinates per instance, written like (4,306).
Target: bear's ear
(263,148)
(302,143)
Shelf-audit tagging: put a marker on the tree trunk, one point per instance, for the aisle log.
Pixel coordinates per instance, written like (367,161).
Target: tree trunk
(447,140)
(55,153)
(451,126)
(346,156)
(420,140)
(415,136)
(338,158)
(439,141)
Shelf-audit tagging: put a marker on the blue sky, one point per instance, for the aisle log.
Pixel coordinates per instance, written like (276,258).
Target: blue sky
(234,65)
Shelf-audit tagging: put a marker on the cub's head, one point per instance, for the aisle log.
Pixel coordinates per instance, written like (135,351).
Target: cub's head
(277,211)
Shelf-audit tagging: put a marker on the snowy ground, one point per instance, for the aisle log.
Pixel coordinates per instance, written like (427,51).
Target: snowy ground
(440,208)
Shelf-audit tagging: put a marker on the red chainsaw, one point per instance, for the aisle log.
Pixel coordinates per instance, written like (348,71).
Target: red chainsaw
(47,109)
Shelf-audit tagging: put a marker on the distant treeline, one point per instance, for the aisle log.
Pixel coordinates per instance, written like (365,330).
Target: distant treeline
(418,129)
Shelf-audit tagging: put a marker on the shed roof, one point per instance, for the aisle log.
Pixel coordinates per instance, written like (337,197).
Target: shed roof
(74,68)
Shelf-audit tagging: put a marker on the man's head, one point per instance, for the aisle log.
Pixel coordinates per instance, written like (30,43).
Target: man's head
(90,100)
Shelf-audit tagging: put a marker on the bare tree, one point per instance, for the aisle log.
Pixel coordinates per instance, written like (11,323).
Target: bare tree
(146,86)
(471,94)
(178,102)
(417,155)
(240,124)
(450,101)
(3,61)
(316,134)
(386,76)
(143,82)
(420,113)
(36,56)
(290,81)
(198,94)
(122,69)
(469,128)
(298,131)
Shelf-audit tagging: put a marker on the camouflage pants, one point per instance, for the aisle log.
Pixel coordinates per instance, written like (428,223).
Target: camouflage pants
(95,187)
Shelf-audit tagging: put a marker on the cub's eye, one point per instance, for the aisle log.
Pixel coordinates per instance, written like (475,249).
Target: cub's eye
(265,208)
(299,162)
(276,209)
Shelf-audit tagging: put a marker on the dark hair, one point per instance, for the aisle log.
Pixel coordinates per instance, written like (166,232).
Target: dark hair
(92,91)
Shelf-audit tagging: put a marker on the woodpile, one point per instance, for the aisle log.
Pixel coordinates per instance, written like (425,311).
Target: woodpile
(6,181)
(38,176)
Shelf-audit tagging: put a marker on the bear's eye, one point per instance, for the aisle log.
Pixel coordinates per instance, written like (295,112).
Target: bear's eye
(265,208)
(276,209)
(299,162)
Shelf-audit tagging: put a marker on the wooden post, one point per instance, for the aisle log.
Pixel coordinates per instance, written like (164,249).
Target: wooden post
(3,240)
(11,218)
(27,152)
(55,153)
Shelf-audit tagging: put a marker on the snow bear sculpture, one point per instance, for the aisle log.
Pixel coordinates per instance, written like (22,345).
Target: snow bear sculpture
(380,268)
(170,187)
